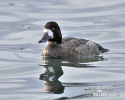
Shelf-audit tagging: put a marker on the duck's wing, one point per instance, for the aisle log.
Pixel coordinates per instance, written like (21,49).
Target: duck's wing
(74,41)
(81,43)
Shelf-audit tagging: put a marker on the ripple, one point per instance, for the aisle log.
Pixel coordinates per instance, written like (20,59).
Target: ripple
(21,24)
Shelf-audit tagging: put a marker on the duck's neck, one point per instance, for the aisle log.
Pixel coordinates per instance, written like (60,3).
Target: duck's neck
(51,43)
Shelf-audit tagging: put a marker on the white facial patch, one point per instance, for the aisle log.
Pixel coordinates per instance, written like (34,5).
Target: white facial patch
(49,32)
(45,30)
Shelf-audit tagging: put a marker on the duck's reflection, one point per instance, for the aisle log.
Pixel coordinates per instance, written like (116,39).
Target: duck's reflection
(53,71)
(51,75)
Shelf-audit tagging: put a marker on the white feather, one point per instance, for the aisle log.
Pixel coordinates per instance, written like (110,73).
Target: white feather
(45,30)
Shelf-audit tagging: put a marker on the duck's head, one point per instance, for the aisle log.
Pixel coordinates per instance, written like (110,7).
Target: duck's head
(52,33)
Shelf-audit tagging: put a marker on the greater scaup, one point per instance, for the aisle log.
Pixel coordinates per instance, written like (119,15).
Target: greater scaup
(67,47)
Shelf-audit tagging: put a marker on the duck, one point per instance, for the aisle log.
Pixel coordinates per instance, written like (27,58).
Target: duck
(67,47)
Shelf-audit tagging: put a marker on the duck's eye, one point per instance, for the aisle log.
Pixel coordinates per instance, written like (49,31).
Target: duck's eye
(53,28)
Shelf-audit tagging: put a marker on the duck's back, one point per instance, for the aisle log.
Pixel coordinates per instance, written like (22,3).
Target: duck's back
(73,41)
(82,46)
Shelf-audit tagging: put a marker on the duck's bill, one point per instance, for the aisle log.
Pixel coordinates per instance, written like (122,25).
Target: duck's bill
(44,38)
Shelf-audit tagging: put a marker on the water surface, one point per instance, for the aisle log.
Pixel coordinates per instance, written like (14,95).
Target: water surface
(24,73)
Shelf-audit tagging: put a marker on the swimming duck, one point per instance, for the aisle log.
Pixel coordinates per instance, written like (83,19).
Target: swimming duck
(59,47)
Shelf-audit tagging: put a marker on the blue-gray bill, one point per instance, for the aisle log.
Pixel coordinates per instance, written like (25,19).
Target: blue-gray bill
(44,38)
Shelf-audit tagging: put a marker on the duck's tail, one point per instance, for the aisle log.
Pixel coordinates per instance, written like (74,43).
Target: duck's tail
(101,49)
(104,50)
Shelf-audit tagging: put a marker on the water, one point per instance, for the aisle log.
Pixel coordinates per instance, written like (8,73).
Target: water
(21,25)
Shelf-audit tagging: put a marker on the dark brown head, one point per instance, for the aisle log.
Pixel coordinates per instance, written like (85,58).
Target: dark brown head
(52,33)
